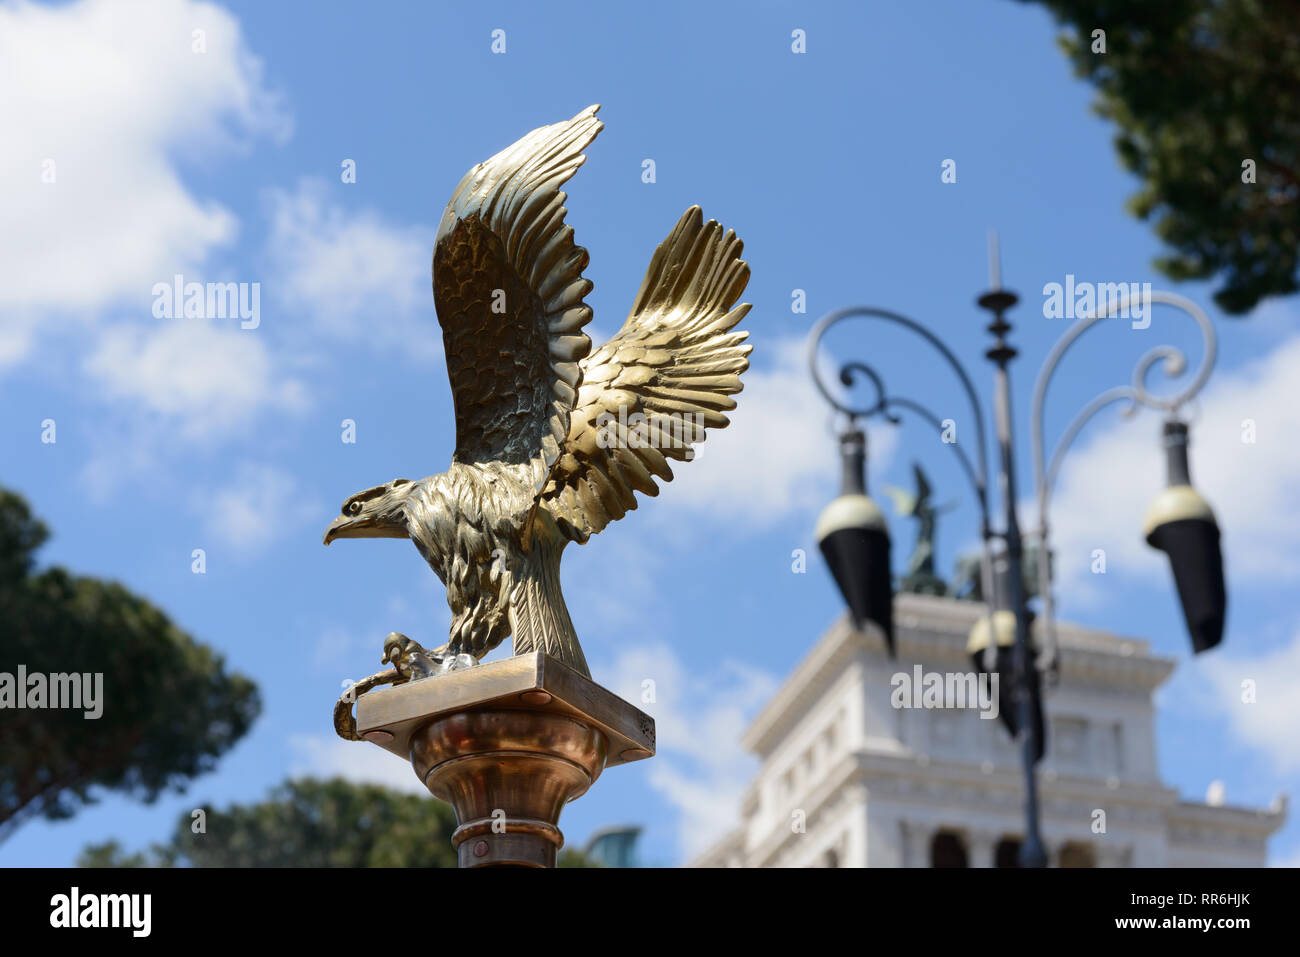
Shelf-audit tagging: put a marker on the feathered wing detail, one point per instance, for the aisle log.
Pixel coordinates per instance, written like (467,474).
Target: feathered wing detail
(649,393)
(508,286)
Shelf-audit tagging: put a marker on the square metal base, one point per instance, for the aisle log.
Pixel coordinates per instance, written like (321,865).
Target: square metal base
(533,682)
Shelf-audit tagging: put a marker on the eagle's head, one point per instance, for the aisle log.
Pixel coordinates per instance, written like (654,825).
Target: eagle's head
(378,512)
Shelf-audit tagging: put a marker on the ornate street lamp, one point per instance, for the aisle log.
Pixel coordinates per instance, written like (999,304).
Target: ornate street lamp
(851,530)
(992,649)
(854,539)
(1180,522)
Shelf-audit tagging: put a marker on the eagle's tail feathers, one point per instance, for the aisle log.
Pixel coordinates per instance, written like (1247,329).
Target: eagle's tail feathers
(538,617)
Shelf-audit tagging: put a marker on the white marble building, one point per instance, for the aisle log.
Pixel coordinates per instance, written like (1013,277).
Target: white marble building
(883,787)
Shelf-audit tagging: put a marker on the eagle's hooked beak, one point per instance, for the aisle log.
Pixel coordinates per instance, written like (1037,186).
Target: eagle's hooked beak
(374,513)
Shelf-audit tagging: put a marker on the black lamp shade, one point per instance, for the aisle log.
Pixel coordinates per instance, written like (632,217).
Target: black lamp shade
(854,540)
(1004,666)
(859,560)
(1181,524)
(1007,711)
(1196,558)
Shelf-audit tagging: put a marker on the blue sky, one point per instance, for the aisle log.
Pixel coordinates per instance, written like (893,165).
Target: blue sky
(224,165)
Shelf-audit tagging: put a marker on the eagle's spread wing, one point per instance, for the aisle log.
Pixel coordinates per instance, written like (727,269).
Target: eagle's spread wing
(649,392)
(507,282)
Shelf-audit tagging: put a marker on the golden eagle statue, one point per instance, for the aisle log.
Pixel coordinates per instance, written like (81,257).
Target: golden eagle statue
(552,439)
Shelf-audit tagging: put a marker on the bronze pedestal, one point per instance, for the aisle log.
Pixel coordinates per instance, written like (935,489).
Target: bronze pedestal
(507,744)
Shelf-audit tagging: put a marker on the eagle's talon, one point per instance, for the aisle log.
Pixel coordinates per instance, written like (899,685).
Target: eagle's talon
(410,658)
(413,661)
(458,662)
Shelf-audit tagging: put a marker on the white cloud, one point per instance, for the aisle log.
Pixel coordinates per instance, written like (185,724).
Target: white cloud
(15,339)
(119,457)
(779,454)
(260,504)
(640,562)
(335,645)
(110,91)
(700,767)
(358,761)
(1269,722)
(353,274)
(1108,484)
(204,378)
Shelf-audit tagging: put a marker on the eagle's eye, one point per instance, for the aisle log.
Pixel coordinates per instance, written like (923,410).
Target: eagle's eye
(354,508)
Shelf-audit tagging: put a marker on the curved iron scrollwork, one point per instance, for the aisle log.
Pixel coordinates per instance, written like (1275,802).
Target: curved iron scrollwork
(1136,395)
(883,405)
